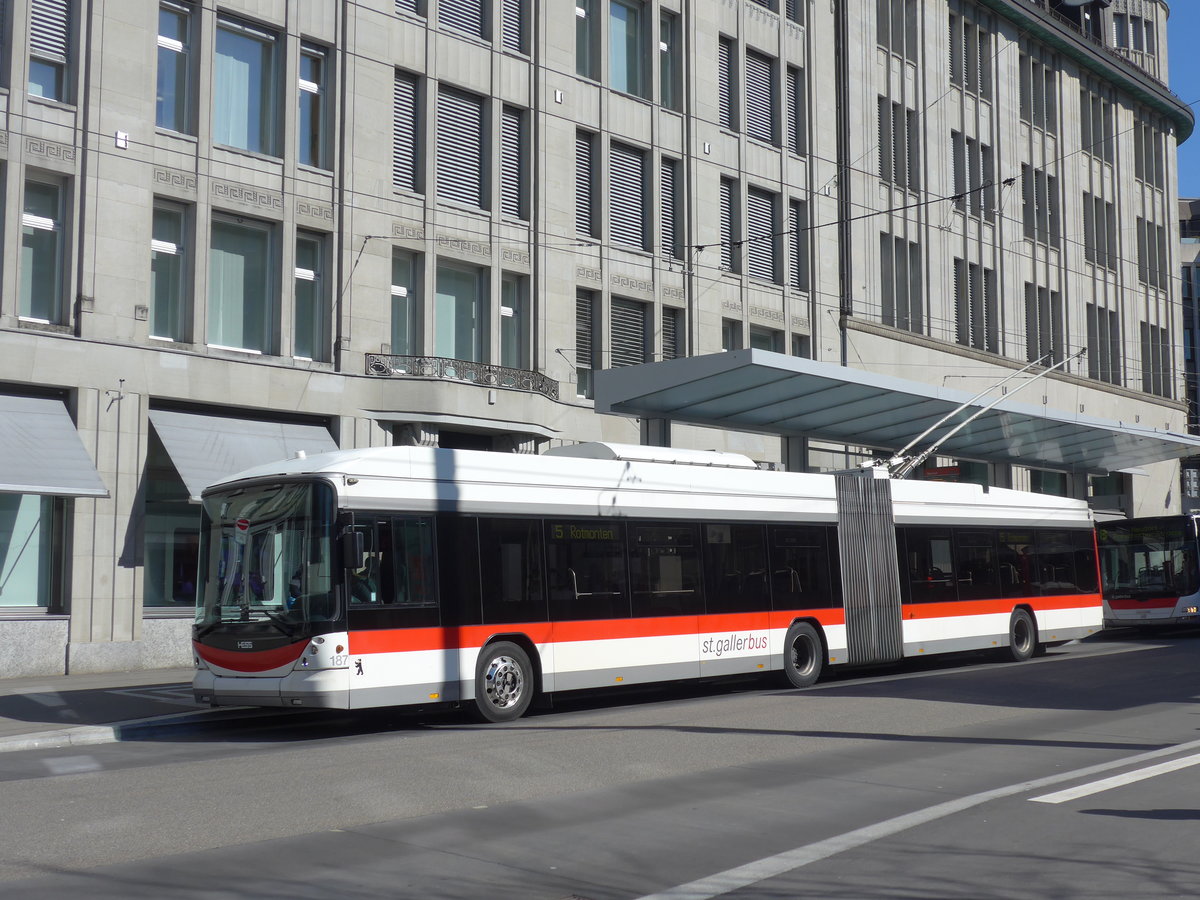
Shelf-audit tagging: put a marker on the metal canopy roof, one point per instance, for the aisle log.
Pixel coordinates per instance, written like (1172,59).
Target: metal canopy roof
(755,390)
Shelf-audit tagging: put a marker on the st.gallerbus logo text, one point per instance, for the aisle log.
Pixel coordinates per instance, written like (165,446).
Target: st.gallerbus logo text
(733,643)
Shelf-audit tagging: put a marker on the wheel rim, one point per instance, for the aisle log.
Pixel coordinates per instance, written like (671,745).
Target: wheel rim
(504,682)
(803,657)
(1022,634)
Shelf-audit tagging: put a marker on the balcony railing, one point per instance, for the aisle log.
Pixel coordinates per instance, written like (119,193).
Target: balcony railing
(482,374)
(1096,42)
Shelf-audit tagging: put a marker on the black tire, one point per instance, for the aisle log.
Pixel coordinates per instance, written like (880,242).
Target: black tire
(1022,636)
(503,682)
(803,655)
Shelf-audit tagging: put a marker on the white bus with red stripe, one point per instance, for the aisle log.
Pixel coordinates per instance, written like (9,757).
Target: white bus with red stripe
(418,576)
(1149,569)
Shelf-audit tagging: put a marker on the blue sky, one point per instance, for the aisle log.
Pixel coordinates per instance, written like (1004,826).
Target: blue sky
(1183,49)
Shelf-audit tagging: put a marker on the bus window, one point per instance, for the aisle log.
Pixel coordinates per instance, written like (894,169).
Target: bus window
(458,570)
(977,564)
(1086,576)
(510,567)
(928,564)
(800,568)
(585,569)
(664,570)
(1055,563)
(1018,569)
(393,588)
(735,569)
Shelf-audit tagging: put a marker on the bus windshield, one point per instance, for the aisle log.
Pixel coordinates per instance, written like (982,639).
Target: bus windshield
(1148,558)
(266,556)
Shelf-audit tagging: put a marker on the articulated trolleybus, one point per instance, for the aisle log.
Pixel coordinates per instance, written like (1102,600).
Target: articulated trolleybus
(418,576)
(1149,571)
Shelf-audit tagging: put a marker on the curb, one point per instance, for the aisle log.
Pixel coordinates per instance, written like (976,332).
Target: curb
(130,729)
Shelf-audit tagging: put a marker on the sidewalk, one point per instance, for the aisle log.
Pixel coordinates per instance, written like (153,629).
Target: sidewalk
(66,710)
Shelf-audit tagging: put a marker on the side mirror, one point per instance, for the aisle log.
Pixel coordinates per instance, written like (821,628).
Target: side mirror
(353,556)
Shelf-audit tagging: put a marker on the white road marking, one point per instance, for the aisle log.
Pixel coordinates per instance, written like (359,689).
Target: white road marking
(773,866)
(1106,784)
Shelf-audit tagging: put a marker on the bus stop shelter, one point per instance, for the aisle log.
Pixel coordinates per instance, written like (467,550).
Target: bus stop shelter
(772,393)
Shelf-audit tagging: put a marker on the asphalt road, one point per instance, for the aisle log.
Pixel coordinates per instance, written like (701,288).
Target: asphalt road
(1070,776)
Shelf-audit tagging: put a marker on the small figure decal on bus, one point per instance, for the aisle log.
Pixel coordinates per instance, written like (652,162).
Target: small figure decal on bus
(358,667)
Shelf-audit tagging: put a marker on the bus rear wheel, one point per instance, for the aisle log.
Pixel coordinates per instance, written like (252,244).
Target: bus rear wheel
(1022,636)
(803,655)
(503,682)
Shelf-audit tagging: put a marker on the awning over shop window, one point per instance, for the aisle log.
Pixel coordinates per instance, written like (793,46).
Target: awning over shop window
(755,390)
(40,450)
(206,449)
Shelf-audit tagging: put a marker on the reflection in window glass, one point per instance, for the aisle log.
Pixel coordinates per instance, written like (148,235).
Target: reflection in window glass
(27,538)
(800,574)
(167,274)
(312,308)
(239,290)
(735,563)
(244,87)
(625,47)
(406,304)
(310,129)
(459,324)
(664,570)
(41,252)
(510,564)
(171,97)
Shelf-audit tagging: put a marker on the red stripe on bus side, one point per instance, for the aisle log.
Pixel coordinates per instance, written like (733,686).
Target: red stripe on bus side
(986,607)
(250,660)
(1152,603)
(399,639)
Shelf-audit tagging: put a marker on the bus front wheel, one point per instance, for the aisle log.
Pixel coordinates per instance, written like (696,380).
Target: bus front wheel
(803,655)
(1022,636)
(503,682)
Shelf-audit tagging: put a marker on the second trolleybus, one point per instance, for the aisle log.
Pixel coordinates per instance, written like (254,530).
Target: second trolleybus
(1150,574)
(420,576)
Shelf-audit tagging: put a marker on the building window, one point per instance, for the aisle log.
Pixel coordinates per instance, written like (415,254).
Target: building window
(1152,254)
(173,106)
(731,335)
(626,40)
(1039,196)
(762,237)
(513,26)
(728,224)
(726,83)
(1096,125)
(974,176)
(766,339)
(673,337)
(802,346)
(1157,365)
(799,260)
(406,303)
(172,533)
(31,545)
(1100,245)
(1043,325)
(669,196)
(467,16)
(587,342)
(460,312)
(1039,97)
(669,56)
(970,57)
(49,48)
(460,148)
(761,99)
(901,291)
(899,145)
(241,294)
(630,336)
(797,105)
(1103,344)
(244,91)
(896,24)
(405,133)
(586,184)
(587,39)
(42,252)
(975,306)
(514,321)
(311,127)
(168,269)
(412,7)
(312,300)
(1148,163)
(514,163)
(627,202)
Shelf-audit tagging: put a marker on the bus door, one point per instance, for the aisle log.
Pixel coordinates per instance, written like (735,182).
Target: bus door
(870,583)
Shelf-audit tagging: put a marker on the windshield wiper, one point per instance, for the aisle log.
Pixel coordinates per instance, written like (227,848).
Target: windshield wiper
(280,622)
